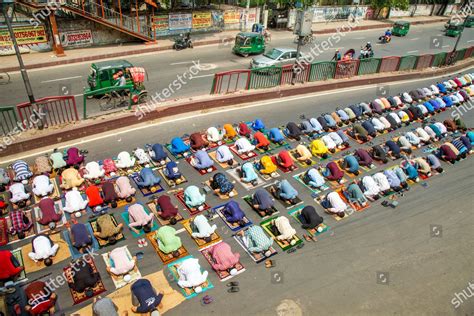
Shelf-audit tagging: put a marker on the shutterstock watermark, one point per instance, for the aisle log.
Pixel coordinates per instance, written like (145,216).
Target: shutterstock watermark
(181,80)
(21,126)
(43,14)
(459,17)
(462,296)
(55,283)
(462,109)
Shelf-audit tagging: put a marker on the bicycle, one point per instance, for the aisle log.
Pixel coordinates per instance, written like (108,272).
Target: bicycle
(4,78)
(113,100)
(306,39)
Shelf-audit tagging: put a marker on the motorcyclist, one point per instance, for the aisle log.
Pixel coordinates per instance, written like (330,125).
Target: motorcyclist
(388,36)
(337,55)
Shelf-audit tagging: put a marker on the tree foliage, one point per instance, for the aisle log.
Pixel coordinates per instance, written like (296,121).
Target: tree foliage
(391,4)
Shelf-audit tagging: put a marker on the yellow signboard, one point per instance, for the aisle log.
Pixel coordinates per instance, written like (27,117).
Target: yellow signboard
(202,20)
(25,35)
(231,17)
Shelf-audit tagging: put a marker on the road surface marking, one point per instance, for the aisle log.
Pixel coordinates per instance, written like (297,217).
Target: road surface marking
(470,41)
(359,38)
(60,79)
(414,39)
(181,63)
(446,46)
(412,51)
(202,76)
(195,115)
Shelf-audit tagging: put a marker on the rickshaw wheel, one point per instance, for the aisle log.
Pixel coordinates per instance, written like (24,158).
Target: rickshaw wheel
(107,102)
(142,98)
(245,55)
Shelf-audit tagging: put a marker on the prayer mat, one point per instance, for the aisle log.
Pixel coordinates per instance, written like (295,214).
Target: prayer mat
(177,156)
(244,156)
(146,191)
(158,164)
(256,257)
(248,200)
(75,254)
(188,292)
(221,195)
(128,171)
(223,275)
(165,258)
(77,297)
(200,242)
(232,226)
(192,210)
(102,242)
(356,206)
(3,232)
(346,172)
(28,234)
(332,183)
(123,202)
(140,233)
(284,244)
(299,178)
(163,222)
(224,165)
(285,170)
(41,229)
(276,145)
(296,214)
(172,183)
(335,216)
(294,154)
(54,195)
(118,279)
(62,254)
(122,299)
(369,168)
(235,173)
(17,253)
(298,201)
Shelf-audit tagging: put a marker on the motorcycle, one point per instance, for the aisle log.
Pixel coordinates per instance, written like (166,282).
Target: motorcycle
(384,39)
(364,53)
(182,42)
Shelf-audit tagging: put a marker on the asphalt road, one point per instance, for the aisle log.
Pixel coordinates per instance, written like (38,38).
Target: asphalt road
(164,67)
(341,273)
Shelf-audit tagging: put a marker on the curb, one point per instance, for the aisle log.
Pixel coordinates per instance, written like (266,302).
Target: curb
(101,124)
(200,43)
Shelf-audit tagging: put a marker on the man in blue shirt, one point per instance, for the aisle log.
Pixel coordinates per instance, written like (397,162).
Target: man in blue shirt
(369,127)
(285,191)
(313,178)
(201,160)
(178,146)
(393,149)
(144,297)
(276,136)
(157,153)
(351,164)
(233,213)
(248,174)
(262,202)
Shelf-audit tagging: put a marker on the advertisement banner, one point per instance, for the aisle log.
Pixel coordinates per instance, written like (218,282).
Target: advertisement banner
(160,24)
(231,17)
(76,38)
(180,21)
(25,35)
(202,20)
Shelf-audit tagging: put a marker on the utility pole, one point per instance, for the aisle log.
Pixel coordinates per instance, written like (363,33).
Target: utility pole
(303,27)
(7,7)
(460,34)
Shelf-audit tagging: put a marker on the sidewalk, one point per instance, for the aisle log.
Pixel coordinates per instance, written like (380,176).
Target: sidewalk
(47,59)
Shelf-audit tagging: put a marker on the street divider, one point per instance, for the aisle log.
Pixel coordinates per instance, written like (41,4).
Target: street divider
(268,77)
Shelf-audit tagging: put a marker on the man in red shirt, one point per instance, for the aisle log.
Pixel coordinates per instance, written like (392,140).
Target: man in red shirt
(244,130)
(166,209)
(94,196)
(9,266)
(40,299)
(333,172)
(285,160)
(262,141)
(197,141)
(48,214)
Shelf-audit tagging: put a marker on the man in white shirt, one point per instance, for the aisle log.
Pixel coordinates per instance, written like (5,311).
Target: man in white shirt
(190,275)
(372,190)
(224,155)
(336,204)
(284,228)
(243,145)
(213,135)
(201,228)
(330,144)
(382,182)
(44,249)
(378,125)
(42,186)
(74,201)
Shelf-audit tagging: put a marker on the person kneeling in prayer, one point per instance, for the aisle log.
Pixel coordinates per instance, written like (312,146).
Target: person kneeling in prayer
(313,178)
(221,185)
(167,240)
(107,230)
(262,202)
(44,249)
(283,230)
(223,259)
(285,191)
(193,198)
(233,213)
(120,262)
(84,278)
(201,228)
(139,219)
(310,219)
(165,209)
(334,204)
(256,240)
(190,275)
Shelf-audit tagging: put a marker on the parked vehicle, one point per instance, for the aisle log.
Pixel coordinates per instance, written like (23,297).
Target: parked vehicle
(454,30)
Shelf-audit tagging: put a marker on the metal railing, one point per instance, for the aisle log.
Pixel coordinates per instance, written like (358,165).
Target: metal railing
(269,77)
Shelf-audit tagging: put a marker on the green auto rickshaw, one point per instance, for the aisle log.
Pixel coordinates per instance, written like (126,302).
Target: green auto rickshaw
(454,30)
(105,74)
(249,44)
(400,28)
